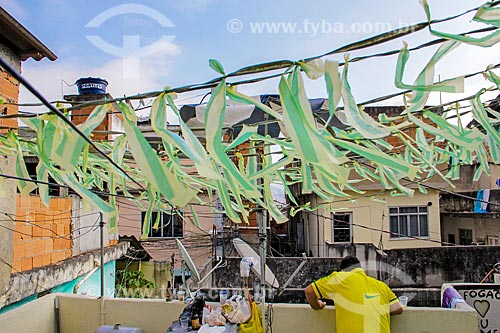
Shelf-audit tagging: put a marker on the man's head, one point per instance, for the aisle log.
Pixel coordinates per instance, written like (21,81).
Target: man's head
(349,263)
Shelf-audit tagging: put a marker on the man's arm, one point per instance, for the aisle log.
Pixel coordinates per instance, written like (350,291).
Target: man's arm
(312,299)
(396,308)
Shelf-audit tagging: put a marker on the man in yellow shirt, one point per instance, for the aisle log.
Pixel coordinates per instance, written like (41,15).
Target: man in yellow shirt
(362,304)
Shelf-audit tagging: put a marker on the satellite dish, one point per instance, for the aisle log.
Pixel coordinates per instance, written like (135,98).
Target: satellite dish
(188,261)
(244,250)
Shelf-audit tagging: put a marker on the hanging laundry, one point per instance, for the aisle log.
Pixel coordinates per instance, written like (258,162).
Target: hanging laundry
(481,205)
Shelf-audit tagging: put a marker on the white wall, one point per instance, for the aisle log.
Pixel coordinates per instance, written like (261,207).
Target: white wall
(85,227)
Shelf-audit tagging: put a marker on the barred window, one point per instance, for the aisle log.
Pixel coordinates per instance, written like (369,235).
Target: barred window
(341,227)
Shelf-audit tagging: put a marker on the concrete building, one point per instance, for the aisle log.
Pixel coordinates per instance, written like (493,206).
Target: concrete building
(42,248)
(378,218)
(17,44)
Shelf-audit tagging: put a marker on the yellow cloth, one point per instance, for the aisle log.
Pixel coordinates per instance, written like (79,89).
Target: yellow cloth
(362,303)
(254,325)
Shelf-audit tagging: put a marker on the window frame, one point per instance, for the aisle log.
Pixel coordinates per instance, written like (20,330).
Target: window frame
(406,219)
(349,227)
(171,231)
(463,233)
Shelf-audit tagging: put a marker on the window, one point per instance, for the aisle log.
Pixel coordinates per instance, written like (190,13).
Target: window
(341,228)
(54,189)
(170,225)
(492,240)
(465,236)
(410,221)
(451,239)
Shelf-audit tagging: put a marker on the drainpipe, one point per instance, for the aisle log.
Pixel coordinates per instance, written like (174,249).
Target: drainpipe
(263,222)
(57,318)
(317,231)
(101,227)
(97,264)
(307,232)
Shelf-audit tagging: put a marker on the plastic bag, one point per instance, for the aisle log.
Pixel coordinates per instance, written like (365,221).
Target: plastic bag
(254,325)
(237,310)
(213,317)
(211,329)
(231,328)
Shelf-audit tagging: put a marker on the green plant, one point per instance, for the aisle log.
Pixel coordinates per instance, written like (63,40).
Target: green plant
(133,284)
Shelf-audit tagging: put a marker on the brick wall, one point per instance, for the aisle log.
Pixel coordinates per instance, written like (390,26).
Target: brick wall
(80,115)
(38,231)
(9,92)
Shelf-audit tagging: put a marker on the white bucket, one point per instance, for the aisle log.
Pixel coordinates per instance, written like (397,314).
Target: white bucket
(496,278)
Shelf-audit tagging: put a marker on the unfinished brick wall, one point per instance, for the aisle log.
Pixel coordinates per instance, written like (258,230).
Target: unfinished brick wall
(80,115)
(9,92)
(42,234)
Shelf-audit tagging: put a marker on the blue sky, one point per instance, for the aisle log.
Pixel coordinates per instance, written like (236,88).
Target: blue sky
(227,30)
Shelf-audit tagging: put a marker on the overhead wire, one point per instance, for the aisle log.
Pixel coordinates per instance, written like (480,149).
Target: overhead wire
(388,36)
(35,282)
(283,64)
(61,115)
(69,236)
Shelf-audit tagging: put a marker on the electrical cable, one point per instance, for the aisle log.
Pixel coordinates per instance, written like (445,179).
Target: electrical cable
(283,64)
(61,115)
(35,282)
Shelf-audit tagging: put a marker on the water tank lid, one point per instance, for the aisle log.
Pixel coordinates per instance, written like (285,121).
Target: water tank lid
(91,85)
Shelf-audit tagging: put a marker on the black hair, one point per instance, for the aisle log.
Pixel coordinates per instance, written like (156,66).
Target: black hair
(349,262)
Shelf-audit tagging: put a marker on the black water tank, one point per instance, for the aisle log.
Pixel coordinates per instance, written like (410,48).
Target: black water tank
(91,85)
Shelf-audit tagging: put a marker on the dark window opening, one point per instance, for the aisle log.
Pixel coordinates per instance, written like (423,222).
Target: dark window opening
(341,228)
(465,236)
(169,225)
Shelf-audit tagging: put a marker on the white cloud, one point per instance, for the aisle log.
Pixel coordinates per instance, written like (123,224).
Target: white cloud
(48,77)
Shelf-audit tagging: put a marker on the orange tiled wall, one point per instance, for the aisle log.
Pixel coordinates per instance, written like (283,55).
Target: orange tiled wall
(36,241)
(9,92)
(79,116)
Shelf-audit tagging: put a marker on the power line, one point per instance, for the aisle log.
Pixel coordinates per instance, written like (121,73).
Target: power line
(284,64)
(382,230)
(56,235)
(33,281)
(61,115)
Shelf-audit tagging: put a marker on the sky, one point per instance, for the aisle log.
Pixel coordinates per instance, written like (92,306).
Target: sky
(147,45)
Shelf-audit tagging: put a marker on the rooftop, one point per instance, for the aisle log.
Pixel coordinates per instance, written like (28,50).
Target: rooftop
(83,314)
(15,36)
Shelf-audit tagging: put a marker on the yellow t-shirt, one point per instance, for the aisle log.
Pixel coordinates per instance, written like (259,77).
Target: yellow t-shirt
(362,303)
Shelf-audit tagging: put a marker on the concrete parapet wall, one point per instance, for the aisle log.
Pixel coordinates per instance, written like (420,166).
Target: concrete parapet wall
(79,314)
(43,279)
(37,316)
(431,267)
